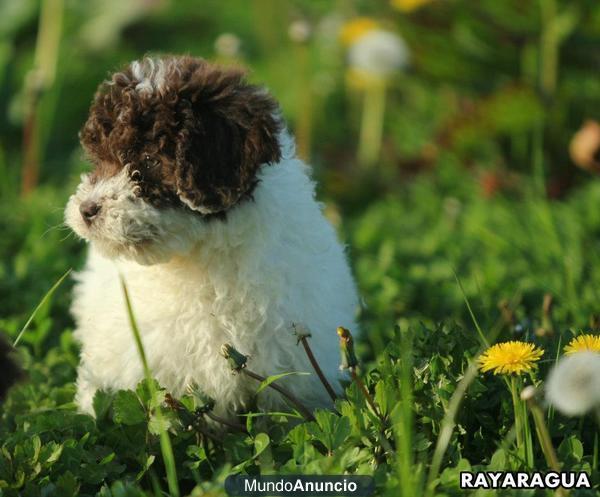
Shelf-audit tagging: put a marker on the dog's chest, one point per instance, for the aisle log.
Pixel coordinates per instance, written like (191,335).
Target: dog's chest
(186,312)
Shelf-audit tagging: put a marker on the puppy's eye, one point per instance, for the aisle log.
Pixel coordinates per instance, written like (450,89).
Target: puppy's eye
(150,162)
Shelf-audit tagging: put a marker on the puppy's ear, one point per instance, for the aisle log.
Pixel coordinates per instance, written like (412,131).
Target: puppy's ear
(228,129)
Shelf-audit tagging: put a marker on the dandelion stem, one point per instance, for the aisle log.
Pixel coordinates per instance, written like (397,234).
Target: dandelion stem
(288,395)
(223,421)
(549,48)
(543,435)
(40,79)
(317,368)
(371,129)
(518,421)
(366,393)
(384,441)
(177,405)
(350,363)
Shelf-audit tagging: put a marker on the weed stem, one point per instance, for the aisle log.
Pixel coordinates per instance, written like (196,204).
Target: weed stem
(366,393)
(288,395)
(518,421)
(223,421)
(317,368)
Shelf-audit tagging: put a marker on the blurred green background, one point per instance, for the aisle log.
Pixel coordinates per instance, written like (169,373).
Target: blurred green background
(430,125)
(476,82)
(456,145)
(478,100)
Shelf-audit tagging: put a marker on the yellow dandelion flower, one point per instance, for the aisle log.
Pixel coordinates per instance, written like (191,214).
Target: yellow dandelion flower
(583,343)
(356,28)
(408,5)
(510,357)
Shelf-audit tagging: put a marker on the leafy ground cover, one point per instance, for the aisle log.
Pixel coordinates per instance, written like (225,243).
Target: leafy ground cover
(422,257)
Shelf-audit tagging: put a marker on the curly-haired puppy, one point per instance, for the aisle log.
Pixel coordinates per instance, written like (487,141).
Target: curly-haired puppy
(198,200)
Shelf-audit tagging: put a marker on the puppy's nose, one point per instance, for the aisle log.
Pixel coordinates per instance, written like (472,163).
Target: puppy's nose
(89,209)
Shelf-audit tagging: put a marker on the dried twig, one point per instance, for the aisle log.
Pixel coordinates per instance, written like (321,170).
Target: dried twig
(205,410)
(238,362)
(303,334)
(350,362)
(223,421)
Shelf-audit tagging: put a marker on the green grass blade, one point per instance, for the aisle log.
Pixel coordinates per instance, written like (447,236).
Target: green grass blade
(45,299)
(275,377)
(447,426)
(403,422)
(482,337)
(449,420)
(165,442)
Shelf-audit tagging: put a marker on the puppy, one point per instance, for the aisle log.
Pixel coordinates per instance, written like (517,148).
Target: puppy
(198,200)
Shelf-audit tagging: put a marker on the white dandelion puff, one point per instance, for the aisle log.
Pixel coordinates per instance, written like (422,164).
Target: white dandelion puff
(573,385)
(379,53)
(299,31)
(227,45)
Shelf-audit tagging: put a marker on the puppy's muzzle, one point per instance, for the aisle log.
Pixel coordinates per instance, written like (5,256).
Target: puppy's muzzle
(89,211)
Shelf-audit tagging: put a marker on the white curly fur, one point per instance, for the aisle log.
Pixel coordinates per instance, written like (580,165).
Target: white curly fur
(197,284)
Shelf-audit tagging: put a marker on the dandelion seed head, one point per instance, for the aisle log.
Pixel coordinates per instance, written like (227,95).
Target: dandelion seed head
(227,45)
(528,393)
(573,385)
(299,31)
(378,53)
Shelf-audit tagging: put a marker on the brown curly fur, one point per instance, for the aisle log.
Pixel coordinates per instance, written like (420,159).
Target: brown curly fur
(201,136)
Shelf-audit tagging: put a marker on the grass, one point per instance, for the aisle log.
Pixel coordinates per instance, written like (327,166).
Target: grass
(45,299)
(165,442)
(432,285)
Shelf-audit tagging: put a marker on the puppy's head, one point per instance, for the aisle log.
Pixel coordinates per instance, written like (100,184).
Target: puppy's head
(175,142)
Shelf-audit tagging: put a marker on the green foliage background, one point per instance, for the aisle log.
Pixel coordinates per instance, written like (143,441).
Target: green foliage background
(473,183)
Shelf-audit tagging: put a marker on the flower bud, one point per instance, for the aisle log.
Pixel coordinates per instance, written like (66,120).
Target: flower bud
(528,393)
(349,360)
(301,331)
(236,359)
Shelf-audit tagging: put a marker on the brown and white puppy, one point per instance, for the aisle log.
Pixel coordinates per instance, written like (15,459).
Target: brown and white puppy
(197,199)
